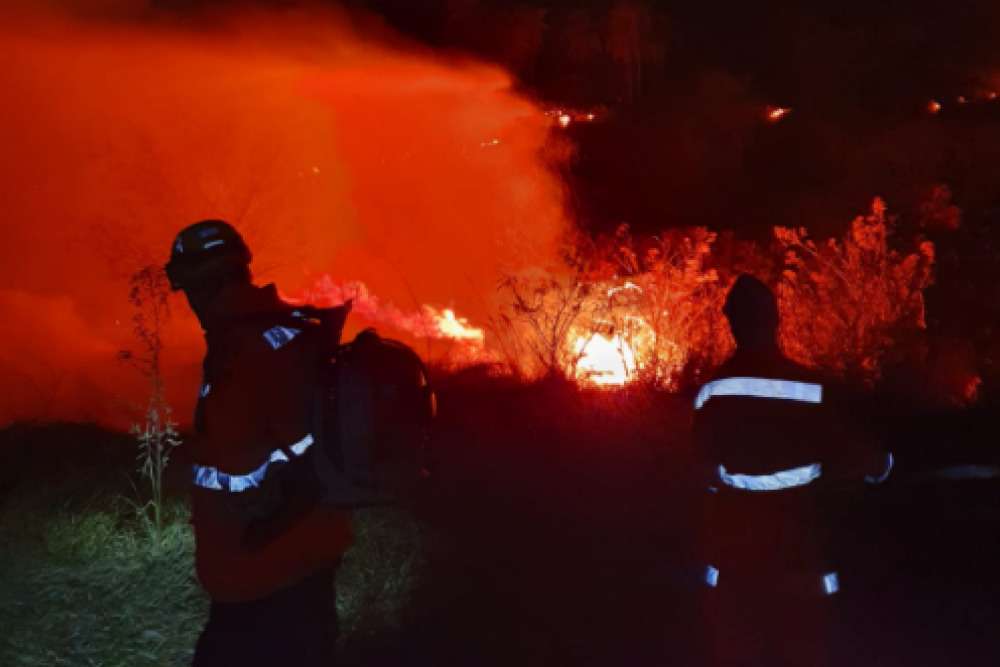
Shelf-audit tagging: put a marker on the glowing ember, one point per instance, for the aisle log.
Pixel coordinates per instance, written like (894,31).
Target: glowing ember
(591,116)
(961,99)
(565,119)
(774,114)
(934,106)
(604,361)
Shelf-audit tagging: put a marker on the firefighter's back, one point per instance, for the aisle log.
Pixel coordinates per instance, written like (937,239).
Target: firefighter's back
(766,427)
(768,434)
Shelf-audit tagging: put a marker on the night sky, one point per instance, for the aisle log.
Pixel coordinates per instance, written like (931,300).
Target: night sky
(689,147)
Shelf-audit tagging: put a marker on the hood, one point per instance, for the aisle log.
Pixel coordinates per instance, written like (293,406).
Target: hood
(752,311)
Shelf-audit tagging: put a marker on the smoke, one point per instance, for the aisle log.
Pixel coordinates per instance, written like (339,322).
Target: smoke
(336,148)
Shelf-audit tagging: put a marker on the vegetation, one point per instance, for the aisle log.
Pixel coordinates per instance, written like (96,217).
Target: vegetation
(157,436)
(84,581)
(845,303)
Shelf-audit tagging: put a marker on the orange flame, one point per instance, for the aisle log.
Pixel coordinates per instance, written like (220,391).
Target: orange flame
(604,361)
(934,106)
(450,325)
(425,322)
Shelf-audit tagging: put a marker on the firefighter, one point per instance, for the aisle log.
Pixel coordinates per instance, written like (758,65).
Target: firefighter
(267,561)
(775,445)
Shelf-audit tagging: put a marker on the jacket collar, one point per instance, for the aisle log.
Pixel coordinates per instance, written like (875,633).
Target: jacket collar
(242,301)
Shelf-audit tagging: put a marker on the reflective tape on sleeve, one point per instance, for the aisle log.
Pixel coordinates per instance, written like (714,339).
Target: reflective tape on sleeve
(776,481)
(786,390)
(831,583)
(300,447)
(214,479)
(884,475)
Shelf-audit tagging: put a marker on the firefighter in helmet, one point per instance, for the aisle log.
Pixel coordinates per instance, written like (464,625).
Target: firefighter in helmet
(266,559)
(775,443)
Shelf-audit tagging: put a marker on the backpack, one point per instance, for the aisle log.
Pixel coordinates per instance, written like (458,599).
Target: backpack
(373,408)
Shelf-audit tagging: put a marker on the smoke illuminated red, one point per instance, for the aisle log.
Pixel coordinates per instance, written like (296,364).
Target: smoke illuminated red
(334,150)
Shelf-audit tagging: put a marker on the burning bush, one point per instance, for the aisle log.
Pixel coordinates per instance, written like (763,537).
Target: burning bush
(845,303)
(625,309)
(540,309)
(664,299)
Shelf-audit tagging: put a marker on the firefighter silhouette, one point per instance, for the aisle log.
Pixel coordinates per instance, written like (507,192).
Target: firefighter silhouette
(272,596)
(776,441)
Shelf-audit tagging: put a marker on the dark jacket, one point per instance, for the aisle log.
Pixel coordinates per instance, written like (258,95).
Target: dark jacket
(776,442)
(254,401)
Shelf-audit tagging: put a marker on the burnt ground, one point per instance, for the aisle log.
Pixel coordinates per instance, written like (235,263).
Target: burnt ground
(560,530)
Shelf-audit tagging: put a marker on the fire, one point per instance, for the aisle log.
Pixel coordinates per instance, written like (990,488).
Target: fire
(934,106)
(565,116)
(426,322)
(774,114)
(450,325)
(604,361)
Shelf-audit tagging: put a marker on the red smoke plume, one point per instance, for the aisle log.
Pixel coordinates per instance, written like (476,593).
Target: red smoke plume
(334,148)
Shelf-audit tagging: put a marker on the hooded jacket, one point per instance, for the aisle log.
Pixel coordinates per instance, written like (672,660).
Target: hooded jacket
(775,439)
(254,400)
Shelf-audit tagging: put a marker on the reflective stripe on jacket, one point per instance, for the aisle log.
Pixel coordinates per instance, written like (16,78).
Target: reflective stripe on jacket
(208,477)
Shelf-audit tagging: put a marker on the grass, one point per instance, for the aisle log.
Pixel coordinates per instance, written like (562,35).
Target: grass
(91,589)
(85,582)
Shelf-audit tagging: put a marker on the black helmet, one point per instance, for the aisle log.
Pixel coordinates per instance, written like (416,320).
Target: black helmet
(752,310)
(207,251)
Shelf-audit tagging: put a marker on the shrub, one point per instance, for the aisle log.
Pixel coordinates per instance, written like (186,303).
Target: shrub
(845,303)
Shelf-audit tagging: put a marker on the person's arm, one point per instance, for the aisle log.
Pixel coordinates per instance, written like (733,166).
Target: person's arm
(705,458)
(286,392)
(857,453)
